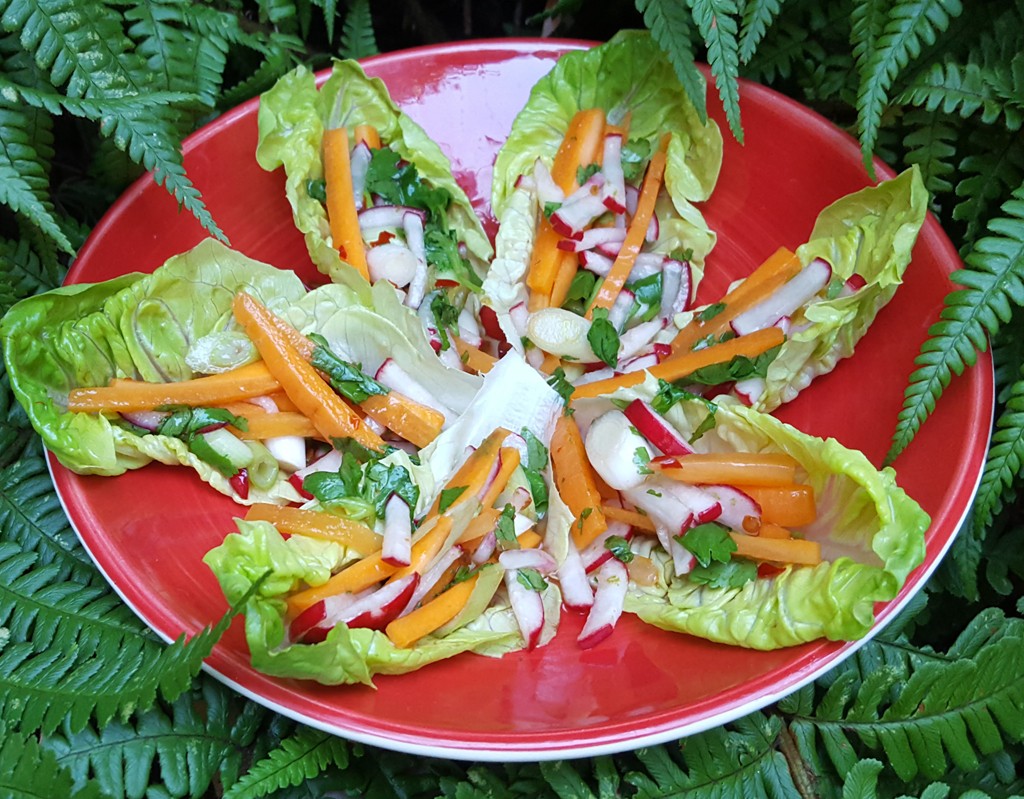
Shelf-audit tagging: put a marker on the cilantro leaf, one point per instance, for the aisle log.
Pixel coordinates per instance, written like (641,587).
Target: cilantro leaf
(739,368)
(201,448)
(317,189)
(708,542)
(346,378)
(446,316)
(398,182)
(582,286)
(562,386)
(635,155)
(711,312)
(550,207)
(708,422)
(531,578)
(668,395)
(641,457)
(448,497)
(536,463)
(186,422)
(339,491)
(619,547)
(505,530)
(584,173)
(648,291)
(382,481)
(603,337)
(732,574)
(442,248)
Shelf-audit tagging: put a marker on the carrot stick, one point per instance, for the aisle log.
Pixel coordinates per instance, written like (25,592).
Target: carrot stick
(641,521)
(261,426)
(368,134)
(416,423)
(790,505)
(328,412)
(769,530)
(568,265)
(778,550)
(476,359)
(341,206)
(574,477)
(550,363)
(730,468)
(686,363)
(473,473)
(253,380)
(480,525)
(778,269)
(623,265)
(314,524)
(408,629)
(361,574)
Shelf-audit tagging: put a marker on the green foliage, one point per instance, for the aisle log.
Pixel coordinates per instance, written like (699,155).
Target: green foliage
(716,21)
(298,758)
(29,770)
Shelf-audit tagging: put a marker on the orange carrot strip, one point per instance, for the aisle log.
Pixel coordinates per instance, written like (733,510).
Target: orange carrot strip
(623,265)
(790,505)
(416,423)
(426,548)
(778,550)
(730,468)
(341,206)
(328,412)
(368,134)
(314,524)
(476,359)
(253,380)
(530,539)
(778,269)
(683,364)
(508,458)
(574,477)
(568,265)
(408,629)
(550,363)
(770,530)
(473,473)
(480,525)
(641,521)
(261,426)
(361,574)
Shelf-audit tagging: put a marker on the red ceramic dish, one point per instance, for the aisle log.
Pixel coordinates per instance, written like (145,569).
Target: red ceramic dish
(148,530)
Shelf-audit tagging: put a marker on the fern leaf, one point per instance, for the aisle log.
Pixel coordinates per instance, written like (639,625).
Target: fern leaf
(961,89)
(184,748)
(787,45)
(931,145)
(716,21)
(909,25)
(357,39)
(28,770)
(671,27)
(989,173)
(24,271)
(861,781)
(270,69)
(738,760)
(758,16)
(301,757)
(992,283)
(1003,464)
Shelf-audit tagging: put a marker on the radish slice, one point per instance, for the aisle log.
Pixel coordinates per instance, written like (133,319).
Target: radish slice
(547,190)
(239,483)
(683,560)
(736,505)
(572,577)
(614,448)
(610,596)
(607,238)
(288,451)
(613,191)
(264,403)
(469,327)
(486,548)
(330,462)
(147,420)
(619,312)
(639,363)
(579,211)
(596,553)
(374,609)
(656,429)
(395,377)
(393,262)
(385,216)
(396,549)
(595,262)
(853,284)
(594,375)
(520,316)
(676,287)
(538,559)
(653,228)
(490,323)
(432,575)
(750,390)
(359,164)
(528,608)
(785,300)
(638,336)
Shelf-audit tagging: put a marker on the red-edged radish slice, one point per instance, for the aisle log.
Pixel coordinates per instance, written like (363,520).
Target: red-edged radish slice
(683,560)
(853,284)
(578,211)
(616,451)
(620,310)
(610,596)
(239,483)
(469,328)
(374,609)
(577,594)
(547,190)
(396,549)
(491,325)
(749,390)
(147,420)
(596,553)
(595,262)
(639,363)
(432,575)
(786,299)
(637,337)
(676,287)
(485,548)
(393,262)
(736,505)
(538,559)
(653,228)
(656,429)
(607,238)
(527,607)
(386,216)
(613,191)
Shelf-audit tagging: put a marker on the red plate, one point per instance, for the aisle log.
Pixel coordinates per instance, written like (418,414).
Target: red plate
(148,530)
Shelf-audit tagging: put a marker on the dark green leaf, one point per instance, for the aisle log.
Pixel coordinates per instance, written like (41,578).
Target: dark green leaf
(603,337)
(563,387)
(708,542)
(619,547)
(739,368)
(346,378)
(382,481)
(317,189)
(635,155)
(731,574)
(711,312)
(448,497)
(531,578)
(505,530)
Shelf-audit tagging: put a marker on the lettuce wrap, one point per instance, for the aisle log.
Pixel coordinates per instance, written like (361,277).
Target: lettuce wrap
(871,535)
(293,116)
(175,324)
(632,81)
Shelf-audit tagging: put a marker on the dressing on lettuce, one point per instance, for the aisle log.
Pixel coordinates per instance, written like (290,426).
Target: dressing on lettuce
(871,535)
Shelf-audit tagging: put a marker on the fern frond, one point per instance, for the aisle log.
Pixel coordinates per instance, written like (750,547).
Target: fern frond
(301,757)
(671,27)
(992,283)
(961,89)
(739,760)
(993,168)
(861,781)
(1004,555)
(270,69)
(24,271)
(357,38)
(910,24)
(758,16)
(999,482)
(201,737)
(787,45)
(931,145)
(29,770)
(931,710)
(716,21)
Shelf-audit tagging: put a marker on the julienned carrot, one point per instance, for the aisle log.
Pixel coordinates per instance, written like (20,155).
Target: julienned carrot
(771,530)
(368,134)
(472,475)
(641,521)
(416,423)
(788,505)
(480,525)
(686,363)
(476,359)
(799,551)
(730,468)
(352,579)
(776,270)
(261,426)
(408,629)
(568,265)
(341,204)
(623,265)
(508,461)
(550,363)
(574,477)
(328,412)
(581,145)
(253,380)
(314,524)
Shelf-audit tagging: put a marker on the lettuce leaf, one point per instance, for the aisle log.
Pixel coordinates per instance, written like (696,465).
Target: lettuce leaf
(871,535)
(870,233)
(292,118)
(347,655)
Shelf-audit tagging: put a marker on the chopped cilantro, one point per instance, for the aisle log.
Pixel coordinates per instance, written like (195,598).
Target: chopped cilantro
(446,316)
(505,530)
(681,255)
(668,395)
(346,378)
(653,493)
(536,463)
(603,337)
(619,547)
(708,423)
(549,208)
(739,368)
(186,422)
(641,457)
(584,173)
(708,542)
(562,386)
(398,182)
(448,497)
(383,481)
(711,312)
(531,578)
(580,289)
(731,574)
(442,249)
(462,574)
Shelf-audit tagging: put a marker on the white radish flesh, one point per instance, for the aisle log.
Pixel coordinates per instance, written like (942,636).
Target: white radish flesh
(393,262)
(609,598)
(785,300)
(396,549)
(616,451)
